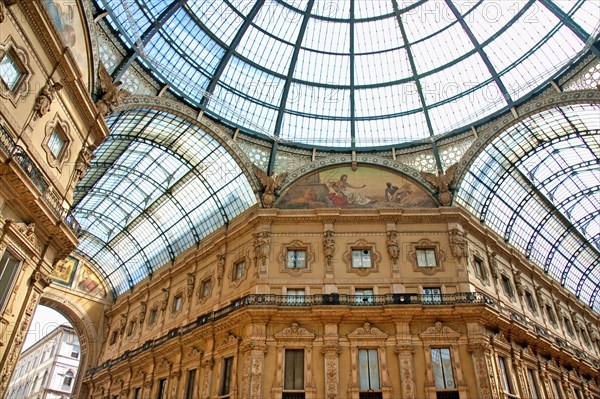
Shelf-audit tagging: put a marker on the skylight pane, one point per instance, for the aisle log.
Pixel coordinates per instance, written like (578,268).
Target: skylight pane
(388,131)
(370,8)
(426,19)
(320,101)
(253,46)
(441,49)
(323,68)
(384,35)
(308,130)
(387,100)
(218,17)
(380,68)
(280,21)
(338,35)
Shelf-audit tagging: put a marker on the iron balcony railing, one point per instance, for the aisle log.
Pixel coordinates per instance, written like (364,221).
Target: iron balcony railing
(16,152)
(335,300)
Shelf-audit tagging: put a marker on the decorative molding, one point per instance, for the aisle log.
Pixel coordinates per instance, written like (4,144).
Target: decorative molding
(440,257)
(22,60)
(301,246)
(361,245)
(294,333)
(63,130)
(439,332)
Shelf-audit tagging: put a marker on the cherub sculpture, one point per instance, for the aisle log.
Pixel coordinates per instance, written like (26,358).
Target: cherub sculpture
(443,183)
(270,183)
(45,99)
(112,93)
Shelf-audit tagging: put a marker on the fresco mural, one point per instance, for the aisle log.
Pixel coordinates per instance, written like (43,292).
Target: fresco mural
(89,283)
(67,18)
(64,270)
(367,187)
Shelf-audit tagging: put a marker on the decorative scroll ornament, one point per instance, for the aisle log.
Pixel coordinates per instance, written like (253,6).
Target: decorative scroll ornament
(111,93)
(270,183)
(3,8)
(45,98)
(442,183)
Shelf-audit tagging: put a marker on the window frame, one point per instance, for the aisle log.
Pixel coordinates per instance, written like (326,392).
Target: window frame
(295,369)
(530,300)
(372,354)
(443,368)
(226,376)
(177,303)
(360,268)
(364,296)
(11,278)
(61,128)
(423,245)
(20,58)
(507,286)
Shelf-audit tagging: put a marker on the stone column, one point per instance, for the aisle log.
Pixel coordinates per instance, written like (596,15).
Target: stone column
(520,374)
(207,367)
(254,365)
(331,350)
(484,371)
(407,379)
(545,380)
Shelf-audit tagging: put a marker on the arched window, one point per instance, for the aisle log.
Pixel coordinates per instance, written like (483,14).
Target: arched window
(68,378)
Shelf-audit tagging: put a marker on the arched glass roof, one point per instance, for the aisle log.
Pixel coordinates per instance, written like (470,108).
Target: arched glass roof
(538,186)
(357,73)
(157,186)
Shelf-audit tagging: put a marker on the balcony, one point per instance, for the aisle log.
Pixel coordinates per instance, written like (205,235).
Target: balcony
(36,191)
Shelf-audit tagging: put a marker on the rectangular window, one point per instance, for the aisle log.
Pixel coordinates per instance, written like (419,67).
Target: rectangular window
(568,325)
(153,316)
(56,143)
(131,328)
(443,373)
(296,258)
(205,288)
(137,393)
(556,389)
(426,257)
(9,71)
(190,384)
(551,315)
(361,258)
(162,389)
(239,270)
(226,376)
(294,370)
(480,268)
(432,295)
(9,268)
(363,296)
(74,355)
(295,296)
(530,301)
(533,388)
(113,337)
(504,375)
(368,369)
(177,302)
(506,286)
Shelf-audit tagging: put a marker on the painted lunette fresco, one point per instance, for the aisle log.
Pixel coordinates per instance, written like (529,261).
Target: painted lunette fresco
(367,187)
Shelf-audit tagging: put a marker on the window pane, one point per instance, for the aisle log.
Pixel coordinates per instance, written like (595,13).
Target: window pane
(296,258)
(56,143)
(532,384)
(368,369)
(226,382)
(442,368)
(426,257)
(8,271)
(190,383)
(9,71)
(361,258)
(504,375)
(294,369)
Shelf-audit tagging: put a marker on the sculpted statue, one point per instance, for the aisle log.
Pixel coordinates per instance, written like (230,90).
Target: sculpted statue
(442,183)
(45,99)
(111,92)
(83,162)
(393,246)
(458,243)
(270,183)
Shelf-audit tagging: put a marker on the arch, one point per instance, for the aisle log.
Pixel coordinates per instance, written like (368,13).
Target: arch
(86,330)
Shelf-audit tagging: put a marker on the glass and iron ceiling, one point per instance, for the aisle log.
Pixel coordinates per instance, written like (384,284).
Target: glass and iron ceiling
(538,186)
(346,74)
(353,74)
(157,186)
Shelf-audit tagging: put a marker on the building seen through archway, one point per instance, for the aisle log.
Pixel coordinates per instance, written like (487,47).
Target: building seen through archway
(282,199)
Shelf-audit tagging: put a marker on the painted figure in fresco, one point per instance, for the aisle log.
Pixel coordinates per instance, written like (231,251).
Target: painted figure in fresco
(345,193)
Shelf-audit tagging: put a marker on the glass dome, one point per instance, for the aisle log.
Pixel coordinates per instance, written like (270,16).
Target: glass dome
(353,74)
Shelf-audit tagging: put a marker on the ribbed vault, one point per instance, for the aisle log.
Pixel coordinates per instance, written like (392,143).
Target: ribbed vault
(537,185)
(157,186)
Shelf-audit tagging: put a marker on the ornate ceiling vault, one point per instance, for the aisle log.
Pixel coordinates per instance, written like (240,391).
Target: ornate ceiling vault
(342,76)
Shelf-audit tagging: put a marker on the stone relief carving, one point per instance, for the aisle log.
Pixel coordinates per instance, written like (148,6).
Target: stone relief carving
(328,249)
(393,247)
(262,248)
(190,283)
(45,98)
(458,243)
(4,4)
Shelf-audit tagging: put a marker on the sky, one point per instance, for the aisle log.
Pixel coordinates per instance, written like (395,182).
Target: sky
(44,321)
